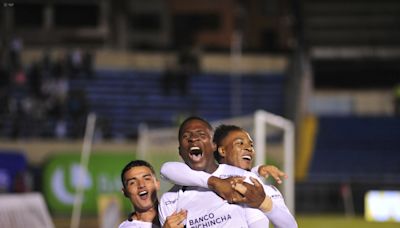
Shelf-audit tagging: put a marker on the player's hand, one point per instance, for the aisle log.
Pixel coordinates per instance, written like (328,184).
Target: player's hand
(270,170)
(251,195)
(175,220)
(223,187)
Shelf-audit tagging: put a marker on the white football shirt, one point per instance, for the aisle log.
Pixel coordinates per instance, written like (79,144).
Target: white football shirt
(137,224)
(181,174)
(207,209)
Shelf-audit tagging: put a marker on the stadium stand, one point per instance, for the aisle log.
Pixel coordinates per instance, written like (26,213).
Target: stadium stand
(129,97)
(356,148)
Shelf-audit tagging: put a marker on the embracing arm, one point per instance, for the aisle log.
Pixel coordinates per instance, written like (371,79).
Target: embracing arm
(181,174)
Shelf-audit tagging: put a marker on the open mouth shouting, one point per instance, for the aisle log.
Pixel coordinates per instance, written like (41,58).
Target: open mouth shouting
(247,158)
(195,153)
(143,195)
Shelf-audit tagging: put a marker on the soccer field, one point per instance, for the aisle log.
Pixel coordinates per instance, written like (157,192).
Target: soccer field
(339,221)
(304,221)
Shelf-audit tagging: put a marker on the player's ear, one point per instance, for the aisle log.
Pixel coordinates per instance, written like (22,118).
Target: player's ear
(221,151)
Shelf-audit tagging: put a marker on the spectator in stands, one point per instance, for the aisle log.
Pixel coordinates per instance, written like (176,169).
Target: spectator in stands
(177,73)
(169,77)
(397,100)
(19,104)
(15,53)
(77,109)
(35,80)
(140,186)
(188,65)
(76,62)
(87,65)
(4,89)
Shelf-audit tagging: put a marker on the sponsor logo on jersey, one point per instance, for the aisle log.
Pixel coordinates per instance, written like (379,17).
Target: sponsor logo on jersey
(209,220)
(170,202)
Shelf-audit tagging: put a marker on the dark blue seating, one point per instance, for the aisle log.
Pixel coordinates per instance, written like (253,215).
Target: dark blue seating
(357,148)
(125,98)
(12,164)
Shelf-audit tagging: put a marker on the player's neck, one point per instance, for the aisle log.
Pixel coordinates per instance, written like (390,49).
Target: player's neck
(145,216)
(211,168)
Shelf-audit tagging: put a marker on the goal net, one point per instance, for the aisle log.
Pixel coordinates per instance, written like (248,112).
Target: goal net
(273,137)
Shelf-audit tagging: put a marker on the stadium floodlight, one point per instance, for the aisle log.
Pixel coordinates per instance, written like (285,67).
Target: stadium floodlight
(160,145)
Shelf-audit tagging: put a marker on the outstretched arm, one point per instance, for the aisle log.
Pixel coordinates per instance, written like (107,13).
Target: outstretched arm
(269,170)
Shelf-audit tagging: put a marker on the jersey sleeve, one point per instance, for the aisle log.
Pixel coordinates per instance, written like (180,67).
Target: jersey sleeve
(255,170)
(260,224)
(279,215)
(181,174)
(255,218)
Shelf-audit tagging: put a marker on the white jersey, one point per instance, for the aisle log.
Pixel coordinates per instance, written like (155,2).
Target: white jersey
(181,174)
(137,224)
(207,209)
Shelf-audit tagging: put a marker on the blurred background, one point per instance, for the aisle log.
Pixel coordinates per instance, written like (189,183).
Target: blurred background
(331,67)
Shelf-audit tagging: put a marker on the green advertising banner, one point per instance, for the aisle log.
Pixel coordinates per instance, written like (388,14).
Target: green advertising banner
(103,176)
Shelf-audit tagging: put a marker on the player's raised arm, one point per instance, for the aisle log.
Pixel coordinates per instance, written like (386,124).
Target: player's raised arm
(270,170)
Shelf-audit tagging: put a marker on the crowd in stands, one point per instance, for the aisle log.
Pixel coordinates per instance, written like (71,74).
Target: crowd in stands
(33,96)
(178,73)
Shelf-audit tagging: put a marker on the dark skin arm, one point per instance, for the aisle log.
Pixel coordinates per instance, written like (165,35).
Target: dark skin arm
(270,170)
(252,195)
(223,187)
(235,190)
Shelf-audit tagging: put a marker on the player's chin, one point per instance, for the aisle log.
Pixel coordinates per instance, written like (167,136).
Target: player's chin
(199,166)
(246,165)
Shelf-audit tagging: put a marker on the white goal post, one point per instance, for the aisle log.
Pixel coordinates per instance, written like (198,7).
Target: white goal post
(160,145)
(261,119)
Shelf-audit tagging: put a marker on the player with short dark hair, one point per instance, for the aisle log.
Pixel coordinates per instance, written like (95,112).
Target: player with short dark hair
(245,162)
(140,185)
(235,147)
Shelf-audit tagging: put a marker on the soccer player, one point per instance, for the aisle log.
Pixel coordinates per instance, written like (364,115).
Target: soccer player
(234,147)
(204,207)
(140,185)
